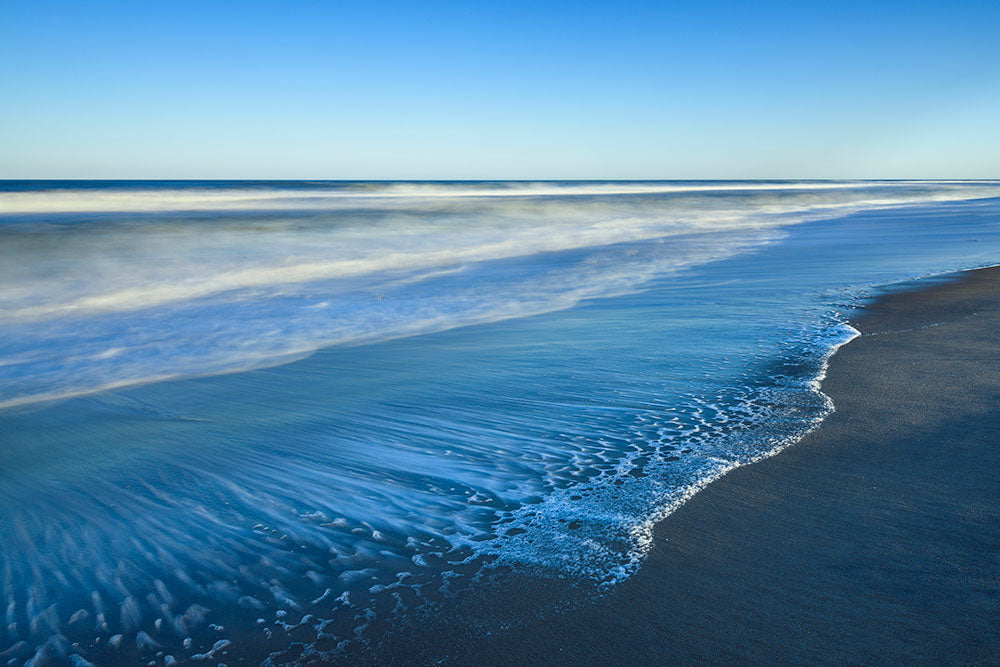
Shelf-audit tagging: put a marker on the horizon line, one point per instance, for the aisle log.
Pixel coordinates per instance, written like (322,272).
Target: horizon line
(510,180)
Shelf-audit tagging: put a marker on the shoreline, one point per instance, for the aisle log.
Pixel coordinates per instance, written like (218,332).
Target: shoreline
(735,573)
(874,538)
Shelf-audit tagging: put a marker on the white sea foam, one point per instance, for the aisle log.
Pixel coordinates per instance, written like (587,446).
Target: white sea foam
(290,198)
(616,521)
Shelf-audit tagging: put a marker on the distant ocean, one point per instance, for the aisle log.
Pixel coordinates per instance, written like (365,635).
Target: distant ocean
(290,410)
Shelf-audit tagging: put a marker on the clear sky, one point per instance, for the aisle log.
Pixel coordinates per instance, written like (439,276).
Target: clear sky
(427,90)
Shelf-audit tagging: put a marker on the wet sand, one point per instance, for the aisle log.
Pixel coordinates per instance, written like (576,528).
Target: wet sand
(874,539)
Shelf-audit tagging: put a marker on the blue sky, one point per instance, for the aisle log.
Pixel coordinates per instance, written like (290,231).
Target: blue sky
(499,90)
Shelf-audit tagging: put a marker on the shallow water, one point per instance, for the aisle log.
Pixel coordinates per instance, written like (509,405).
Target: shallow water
(340,401)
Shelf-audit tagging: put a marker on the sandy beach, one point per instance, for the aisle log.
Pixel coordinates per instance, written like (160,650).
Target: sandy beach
(875,539)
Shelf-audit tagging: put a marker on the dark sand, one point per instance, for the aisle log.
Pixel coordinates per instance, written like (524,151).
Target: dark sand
(874,539)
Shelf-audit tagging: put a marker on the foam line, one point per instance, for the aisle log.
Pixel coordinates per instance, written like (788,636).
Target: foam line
(204,199)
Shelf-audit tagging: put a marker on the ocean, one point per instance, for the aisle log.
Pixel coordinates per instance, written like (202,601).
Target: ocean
(289,414)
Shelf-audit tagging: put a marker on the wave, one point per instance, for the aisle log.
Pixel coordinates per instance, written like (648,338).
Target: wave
(186,296)
(251,330)
(174,262)
(138,199)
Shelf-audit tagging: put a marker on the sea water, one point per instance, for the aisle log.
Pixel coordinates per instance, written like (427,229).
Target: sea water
(289,410)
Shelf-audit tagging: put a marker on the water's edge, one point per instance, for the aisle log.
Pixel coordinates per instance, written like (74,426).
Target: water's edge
(496,606)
